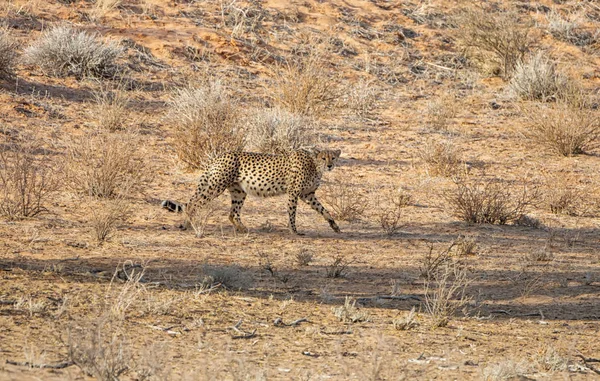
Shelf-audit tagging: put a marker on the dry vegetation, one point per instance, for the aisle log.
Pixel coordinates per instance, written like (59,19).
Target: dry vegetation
(564,128)
(63,51)
(207,122)
(467,190)
(497,40)
(8,54)
(305,87)
(277,130)
(106,165)
(490,201)
(27,180)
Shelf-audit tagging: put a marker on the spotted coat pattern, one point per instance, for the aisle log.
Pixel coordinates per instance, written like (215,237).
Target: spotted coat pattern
(297,174)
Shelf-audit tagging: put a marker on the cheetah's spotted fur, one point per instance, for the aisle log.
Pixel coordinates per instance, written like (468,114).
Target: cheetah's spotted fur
(297,173)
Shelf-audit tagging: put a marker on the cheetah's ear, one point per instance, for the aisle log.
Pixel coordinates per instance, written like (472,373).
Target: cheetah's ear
(314,151)
(336,153)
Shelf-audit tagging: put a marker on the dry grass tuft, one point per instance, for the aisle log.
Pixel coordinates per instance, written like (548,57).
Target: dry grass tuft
(407,322)
(349,313)
(306,88)
(63,51)
(198,219)
(8,54)
(488,201)
(570,29)
(551,361)
(360,98)
(440,111)
(106,165)
(27,180)
(497,39)
(446,293)
(105,215)
(229,277)
(506,370)
(206,123)
(278,130)
(338,267)
(538,79)
(111,110)
(441,158)
(565,129)
(304,257)
(102,7)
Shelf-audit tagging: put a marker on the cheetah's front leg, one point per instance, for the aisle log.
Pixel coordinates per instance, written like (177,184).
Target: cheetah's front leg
(292,206)
(311,200)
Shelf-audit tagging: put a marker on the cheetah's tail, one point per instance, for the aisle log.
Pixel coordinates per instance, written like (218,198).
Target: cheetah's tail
(172,206)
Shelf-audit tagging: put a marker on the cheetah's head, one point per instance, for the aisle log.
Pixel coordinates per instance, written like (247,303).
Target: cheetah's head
(327,159)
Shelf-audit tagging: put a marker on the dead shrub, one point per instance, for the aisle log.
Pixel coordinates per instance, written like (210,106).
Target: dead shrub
(278,131)
(63,51)
(538,79)
(105,215)
(441,158)
(499,39)
(445,294)
(111,110)
(306,88)
(390,215)
(488,201)
(27,180)
(360,98)
(440,111)
(8,54)
(206,123)
(106,165)
(565,129)
(345,200)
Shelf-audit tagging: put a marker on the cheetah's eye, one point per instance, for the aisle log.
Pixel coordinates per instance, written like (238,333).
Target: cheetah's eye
(322,158)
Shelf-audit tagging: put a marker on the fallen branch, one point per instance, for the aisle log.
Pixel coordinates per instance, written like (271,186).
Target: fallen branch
(279,322)
(242,334)
(587,360)
(60,365)
(245,335)
(388,297)
(335,332)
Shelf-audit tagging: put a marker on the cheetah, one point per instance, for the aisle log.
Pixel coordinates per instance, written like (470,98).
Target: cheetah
(297,173)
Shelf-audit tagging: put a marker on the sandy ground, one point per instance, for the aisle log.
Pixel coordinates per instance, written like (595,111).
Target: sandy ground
(524,317)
